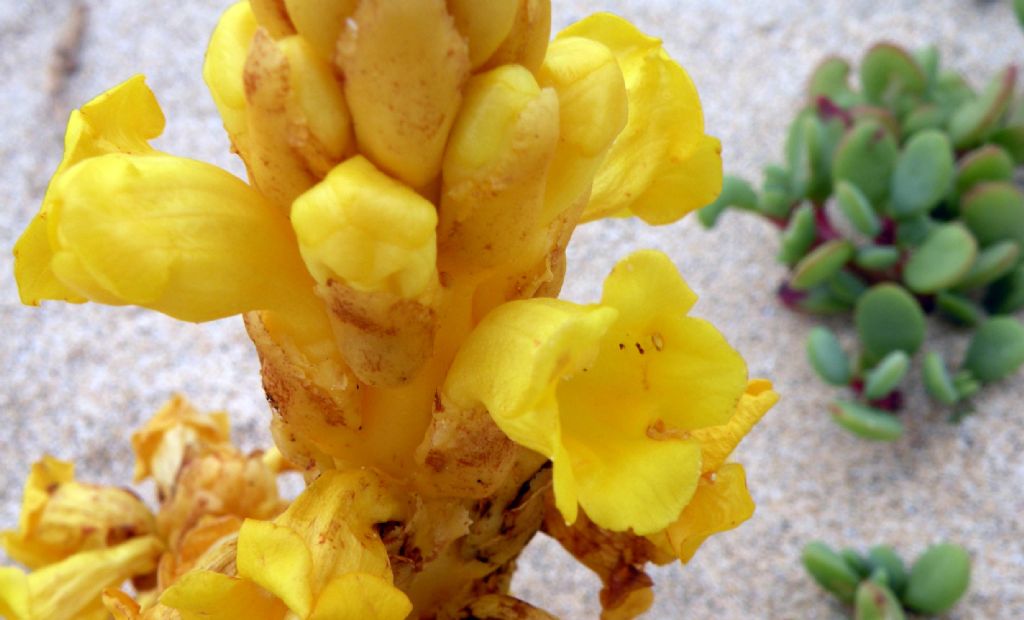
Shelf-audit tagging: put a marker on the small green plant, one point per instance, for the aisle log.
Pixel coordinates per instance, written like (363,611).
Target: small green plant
(879,586)
(895,201)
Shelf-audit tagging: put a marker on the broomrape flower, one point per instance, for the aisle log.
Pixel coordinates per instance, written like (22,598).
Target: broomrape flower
(416,170)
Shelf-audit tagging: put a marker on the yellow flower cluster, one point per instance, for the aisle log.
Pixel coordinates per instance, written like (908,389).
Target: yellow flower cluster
(416,170)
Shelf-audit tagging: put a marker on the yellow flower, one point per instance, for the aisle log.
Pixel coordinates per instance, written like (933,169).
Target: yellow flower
(662,165)
(320,559)
(595,388)
(71,589)
(60,516)
(122,223)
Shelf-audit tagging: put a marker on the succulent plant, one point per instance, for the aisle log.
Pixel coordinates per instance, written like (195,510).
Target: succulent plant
(898,200)
(880,587)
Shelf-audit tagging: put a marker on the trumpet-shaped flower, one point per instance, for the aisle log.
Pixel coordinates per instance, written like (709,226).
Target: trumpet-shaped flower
(61,517)
(320,559)
(122,223)
(592,387)
(662,165)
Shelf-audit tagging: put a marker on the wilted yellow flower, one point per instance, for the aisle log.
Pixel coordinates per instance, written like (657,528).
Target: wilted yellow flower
(71,589)
(60,516)
(320,559)
(162,444)
(590,386)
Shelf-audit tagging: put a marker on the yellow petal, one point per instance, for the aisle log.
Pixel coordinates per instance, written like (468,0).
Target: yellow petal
(404,64)
(206,595)
(73,587)
(277,559)
(721,503)
(224,66)
(624,479)
(161,445)
(515,360)
(484,24)
(495,169)
(14,598)
(367,230)
(121,120)
(120,605)
(320,22)
(593,109)
(718,442)
(174,235)
(335,518)
(61,517)
(357,596)
(648,171)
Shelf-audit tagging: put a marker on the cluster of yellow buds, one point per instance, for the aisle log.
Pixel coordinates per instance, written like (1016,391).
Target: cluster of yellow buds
(416,171)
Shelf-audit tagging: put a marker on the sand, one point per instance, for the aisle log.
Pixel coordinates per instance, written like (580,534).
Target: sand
(77,380)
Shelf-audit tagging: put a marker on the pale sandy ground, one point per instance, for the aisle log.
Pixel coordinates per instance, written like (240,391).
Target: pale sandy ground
(77,380)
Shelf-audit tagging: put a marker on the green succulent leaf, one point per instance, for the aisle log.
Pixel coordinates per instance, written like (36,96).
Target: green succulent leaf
(867,422)
(988,163)
(937,380)
(846,287)
(888,71)
(1012,139)
(889,319)
(994,212)
(996,350)
(831,78)
(951,91)
(827,357)
(884,557)
(887,375)
(1018,8)
(978,117)
(857,209)
(799,235)
(959,309)
(913,231)
(874,601)
(882,116)
(992,263)
(776,198)
(877,257)
(866,157)
(821,264)
(942,260)
(928,59)
(966,385)
(1006,295)
(924,117)
(856,561)
(820,300)
(923,174)
(938,578)
(736,192)
(830,570)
